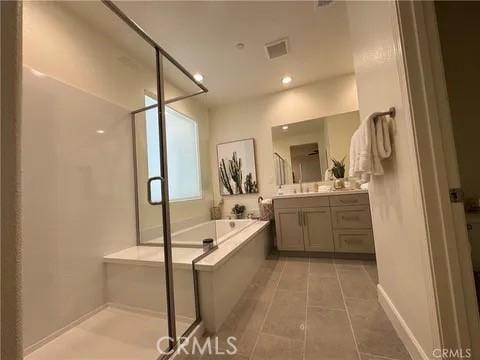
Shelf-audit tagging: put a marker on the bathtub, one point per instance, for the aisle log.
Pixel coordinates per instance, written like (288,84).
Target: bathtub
(135,276)
(219,230)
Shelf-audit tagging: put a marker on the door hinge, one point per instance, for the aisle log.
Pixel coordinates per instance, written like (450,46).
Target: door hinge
(456,195)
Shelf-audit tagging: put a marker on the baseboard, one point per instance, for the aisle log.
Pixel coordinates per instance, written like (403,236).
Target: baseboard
(401,327)
(61,331)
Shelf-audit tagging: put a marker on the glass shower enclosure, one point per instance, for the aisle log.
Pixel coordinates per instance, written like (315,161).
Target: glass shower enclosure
(149,134)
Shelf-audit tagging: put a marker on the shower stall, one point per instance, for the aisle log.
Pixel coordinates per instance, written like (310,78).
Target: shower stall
(110,138)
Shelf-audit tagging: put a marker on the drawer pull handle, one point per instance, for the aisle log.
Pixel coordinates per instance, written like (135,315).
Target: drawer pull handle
(351,201)
(353,241)
(351,218)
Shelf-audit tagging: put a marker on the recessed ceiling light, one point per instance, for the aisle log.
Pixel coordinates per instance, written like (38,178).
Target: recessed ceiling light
(285,127)
(198,77)
(286,80)
(240,46)
(100,131)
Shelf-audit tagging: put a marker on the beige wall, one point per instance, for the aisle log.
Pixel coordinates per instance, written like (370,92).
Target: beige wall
(397,213)
(459,37)
(339,130)
(64,246)
(255,118)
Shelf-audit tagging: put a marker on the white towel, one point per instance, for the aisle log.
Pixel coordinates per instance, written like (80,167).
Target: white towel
(369,144)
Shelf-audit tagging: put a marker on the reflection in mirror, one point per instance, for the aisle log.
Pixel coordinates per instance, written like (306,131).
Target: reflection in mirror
(303,151)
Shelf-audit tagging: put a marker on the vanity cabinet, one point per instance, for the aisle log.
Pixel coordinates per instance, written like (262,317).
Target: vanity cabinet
(324,223)
(289,224)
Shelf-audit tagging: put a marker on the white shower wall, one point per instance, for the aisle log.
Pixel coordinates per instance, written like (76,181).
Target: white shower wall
(78,201)
(79,191)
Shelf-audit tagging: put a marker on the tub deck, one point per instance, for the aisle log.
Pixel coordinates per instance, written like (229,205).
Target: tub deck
(184,256)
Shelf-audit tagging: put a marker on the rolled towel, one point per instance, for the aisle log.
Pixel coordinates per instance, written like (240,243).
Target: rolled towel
(384,144)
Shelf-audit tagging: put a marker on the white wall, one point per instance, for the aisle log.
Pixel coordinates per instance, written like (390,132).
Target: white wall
(79,184)
(254,119)
(396,206)
(60,44)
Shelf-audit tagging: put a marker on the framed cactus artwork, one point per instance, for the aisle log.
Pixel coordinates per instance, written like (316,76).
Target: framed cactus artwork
(236,167)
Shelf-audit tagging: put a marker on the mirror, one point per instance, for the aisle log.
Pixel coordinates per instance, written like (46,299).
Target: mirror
(303,151)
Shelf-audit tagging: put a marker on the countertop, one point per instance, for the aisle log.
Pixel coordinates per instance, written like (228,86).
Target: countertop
(323,193)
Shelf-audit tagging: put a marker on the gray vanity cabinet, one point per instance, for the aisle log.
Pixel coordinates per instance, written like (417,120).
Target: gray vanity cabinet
(317,233)
(303,224)
(335,223)
(289,224)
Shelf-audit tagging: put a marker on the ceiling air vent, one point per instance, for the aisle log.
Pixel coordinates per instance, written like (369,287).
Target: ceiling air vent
(277,48)
(322,3)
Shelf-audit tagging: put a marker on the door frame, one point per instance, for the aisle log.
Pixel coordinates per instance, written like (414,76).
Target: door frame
(449,251)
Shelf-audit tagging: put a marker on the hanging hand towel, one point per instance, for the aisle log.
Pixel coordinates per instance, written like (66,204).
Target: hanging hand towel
(383,137)
(370,143)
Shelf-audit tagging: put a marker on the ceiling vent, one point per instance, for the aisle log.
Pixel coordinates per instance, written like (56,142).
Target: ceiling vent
(322,3)
(276,49)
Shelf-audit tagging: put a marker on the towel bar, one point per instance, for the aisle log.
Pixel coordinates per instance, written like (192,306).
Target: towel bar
(391,112)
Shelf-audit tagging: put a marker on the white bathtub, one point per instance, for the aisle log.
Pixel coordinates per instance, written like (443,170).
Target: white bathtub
(218,230)
(135,276)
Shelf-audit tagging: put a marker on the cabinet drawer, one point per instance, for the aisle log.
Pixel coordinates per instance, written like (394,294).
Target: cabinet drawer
(354,241)
(300,202)
(353,199)
(351,217)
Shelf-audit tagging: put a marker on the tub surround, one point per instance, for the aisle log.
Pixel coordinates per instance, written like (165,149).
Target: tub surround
(136,271)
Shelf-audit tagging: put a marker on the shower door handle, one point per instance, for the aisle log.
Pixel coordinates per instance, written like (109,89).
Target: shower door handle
(149,190)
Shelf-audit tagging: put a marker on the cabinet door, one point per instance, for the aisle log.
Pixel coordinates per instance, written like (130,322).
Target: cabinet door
(317,229)
(289,229)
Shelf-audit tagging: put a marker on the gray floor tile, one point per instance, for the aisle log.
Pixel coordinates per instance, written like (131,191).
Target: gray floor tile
(348,264)
(270,347)
(244,323)
(329,336)
(357,284)
(371,357)
(371,268)
(324,292)
(322,267)
(373,331)
(287,315)
(294,275)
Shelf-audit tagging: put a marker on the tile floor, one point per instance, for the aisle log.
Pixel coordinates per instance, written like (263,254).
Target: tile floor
(111,334)
(311,309)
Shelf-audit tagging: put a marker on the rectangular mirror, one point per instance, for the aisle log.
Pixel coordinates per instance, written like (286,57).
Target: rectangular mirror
(303,151)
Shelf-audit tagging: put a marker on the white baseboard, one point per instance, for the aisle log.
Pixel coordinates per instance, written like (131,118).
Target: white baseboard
(401,327)
(61,331)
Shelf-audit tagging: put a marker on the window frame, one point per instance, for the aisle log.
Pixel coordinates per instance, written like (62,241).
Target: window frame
(197,145)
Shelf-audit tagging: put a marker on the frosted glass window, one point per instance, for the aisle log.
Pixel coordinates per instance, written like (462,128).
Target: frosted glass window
(183,156)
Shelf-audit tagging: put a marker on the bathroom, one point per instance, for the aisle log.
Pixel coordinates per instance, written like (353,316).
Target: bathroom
(238,211)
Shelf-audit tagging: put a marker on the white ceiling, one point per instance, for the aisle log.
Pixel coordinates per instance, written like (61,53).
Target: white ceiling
(202,36)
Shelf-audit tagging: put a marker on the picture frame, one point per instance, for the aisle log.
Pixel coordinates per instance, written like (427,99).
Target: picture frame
(236,165)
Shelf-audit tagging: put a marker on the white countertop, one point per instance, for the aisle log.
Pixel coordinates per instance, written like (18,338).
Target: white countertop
(323,193)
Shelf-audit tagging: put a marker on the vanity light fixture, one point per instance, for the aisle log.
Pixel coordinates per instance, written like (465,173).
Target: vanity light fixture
(198,77)
(286,80)
(285,127)
(100,131)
